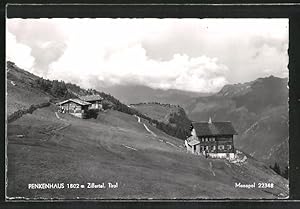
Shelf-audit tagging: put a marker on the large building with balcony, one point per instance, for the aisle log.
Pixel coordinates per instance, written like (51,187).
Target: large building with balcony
(212,139)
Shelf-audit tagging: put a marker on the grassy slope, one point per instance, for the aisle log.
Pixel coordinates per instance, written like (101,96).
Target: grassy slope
(259,113)
(20,93)
(272,127)
(173,115)
(156,111)
(93,151)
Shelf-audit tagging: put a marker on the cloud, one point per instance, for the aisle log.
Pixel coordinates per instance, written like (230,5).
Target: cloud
(43,37)
(236,43)
(187,54)
(18,53)
(132,66)
(276,43)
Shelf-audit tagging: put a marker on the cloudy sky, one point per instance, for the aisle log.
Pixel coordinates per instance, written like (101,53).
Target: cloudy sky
(188,54)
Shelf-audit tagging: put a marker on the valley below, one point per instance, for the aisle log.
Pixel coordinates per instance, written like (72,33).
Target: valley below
(123,153)
(46,147)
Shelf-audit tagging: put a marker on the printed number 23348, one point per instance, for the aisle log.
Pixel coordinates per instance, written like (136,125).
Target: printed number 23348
(265,185)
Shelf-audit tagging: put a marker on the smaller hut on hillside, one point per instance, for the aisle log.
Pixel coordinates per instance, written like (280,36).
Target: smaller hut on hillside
(75,107)
(95,100)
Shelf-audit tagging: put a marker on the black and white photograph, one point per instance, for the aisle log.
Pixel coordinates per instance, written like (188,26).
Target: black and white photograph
(147,108)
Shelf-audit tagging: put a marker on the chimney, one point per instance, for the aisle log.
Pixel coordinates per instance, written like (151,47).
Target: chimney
(209,121)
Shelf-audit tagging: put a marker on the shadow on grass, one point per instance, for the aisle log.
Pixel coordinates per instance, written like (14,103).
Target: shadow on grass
(92,113)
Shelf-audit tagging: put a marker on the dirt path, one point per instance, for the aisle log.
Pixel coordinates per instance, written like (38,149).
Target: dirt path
(57,115)
(211,168)
(53,131)
(153,134)
(172,144)
(146,127)
(129,147)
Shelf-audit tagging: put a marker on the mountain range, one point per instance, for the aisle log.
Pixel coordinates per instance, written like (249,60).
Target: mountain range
(132,94)
(126,144)
(257,109)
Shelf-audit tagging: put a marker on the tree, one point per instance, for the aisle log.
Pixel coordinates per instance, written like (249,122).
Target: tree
(285,173)
(276,168)
(58,89)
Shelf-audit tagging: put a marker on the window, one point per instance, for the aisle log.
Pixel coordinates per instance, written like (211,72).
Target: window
(214,148)
(213,139)
(201,148)
(221,147)
(206,139)
(229,146)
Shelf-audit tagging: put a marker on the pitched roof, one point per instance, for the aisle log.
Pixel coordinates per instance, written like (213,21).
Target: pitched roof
(89,98)
(213,128)
(192,140)
(77,101)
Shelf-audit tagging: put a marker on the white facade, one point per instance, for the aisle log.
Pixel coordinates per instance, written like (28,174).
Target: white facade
(189,148)
(222,155)
(96,105)
(193,133)
(192,145)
